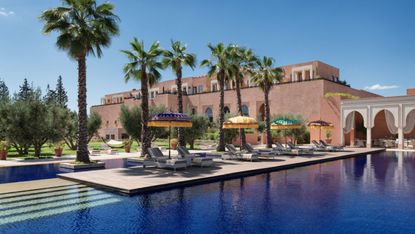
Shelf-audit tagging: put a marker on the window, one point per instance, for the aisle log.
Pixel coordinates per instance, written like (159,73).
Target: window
(200,88)
(245,110)
(193,111)
(209,114)
(194,90)
(152,94)
(112,136)
(107,136)
(214,87)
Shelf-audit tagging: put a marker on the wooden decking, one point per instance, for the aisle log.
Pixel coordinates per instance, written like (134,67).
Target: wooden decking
(141,180)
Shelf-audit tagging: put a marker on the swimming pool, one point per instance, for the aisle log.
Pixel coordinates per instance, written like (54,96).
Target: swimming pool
(367,194)
(47,171)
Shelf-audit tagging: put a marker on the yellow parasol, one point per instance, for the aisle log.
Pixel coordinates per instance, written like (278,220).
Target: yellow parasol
(240,122)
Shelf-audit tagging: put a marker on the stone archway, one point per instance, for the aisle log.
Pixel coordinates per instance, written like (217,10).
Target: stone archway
(354,129)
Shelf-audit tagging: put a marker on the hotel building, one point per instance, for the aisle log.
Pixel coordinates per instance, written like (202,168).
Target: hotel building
(302,91)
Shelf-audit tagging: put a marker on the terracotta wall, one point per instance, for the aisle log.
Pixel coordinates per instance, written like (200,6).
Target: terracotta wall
(410,92)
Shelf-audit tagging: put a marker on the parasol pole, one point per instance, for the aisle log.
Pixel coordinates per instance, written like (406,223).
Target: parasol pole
(240,139)
(169,138)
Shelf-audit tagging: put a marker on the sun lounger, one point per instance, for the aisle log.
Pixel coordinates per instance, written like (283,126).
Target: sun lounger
(295,150)
(163,161)
(336,148)
(320,147)
(195,159)
(281,148)
(262,152)
(241,155)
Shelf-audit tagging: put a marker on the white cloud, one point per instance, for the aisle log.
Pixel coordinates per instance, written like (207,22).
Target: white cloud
(381,87)
(5,13)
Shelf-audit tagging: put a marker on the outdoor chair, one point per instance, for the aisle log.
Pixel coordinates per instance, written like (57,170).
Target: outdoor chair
(295,150)
(262,152)
(163,161)
(320,147)
(241,155)
(336,148)
(281,148)
(195,159)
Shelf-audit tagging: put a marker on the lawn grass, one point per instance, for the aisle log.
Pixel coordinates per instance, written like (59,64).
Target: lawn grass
(48,152)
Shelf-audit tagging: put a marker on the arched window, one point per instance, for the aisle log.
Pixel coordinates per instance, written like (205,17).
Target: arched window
(245,111)
(226,110)
(209,114)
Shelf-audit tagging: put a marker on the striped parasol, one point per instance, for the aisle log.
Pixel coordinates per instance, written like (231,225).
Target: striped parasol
(281,124)
(170,119)
(320,124)
(284,124)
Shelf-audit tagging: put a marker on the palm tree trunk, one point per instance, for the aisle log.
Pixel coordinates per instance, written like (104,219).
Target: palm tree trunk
(267,118)
(145,131)
(180,131)
(221,145)
(82,153)
(239,100)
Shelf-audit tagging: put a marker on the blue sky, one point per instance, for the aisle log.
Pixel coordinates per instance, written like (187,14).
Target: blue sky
(372,42)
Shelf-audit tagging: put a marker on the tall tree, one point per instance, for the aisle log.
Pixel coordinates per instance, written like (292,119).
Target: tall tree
(4,92)
(50,96)
(176,58)
(84,28)
(60,92)
(143,66)
(25,91)
(219,66)
(265,77)
(242,62)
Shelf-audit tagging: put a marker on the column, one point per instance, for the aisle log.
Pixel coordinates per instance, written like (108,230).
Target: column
(400,138)
(303,75)
(369,137)
(341,127)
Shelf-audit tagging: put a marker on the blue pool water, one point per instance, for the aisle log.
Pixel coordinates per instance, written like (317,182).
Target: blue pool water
(47,171)
(368,194)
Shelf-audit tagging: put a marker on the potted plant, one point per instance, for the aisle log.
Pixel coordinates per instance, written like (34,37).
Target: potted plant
(173,143)
(127,145)
(4,149)
(328,136)
(58,147)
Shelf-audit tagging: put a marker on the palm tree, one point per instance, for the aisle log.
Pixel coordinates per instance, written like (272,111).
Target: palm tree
(143,66)
(84,28)
(176,58)
(219,66)
(265,77)
(242,62)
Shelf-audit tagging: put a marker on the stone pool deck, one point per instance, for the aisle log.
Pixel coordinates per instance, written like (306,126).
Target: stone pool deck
(70,158)
(141,180)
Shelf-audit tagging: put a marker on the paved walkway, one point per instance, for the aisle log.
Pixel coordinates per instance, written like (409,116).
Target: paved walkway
(69,158)
(138,180)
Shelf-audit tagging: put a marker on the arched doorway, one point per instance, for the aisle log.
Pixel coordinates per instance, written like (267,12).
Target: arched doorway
(384,131)
(261,112)
(409,129)
(355,130)
(209,114)
(226,110)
